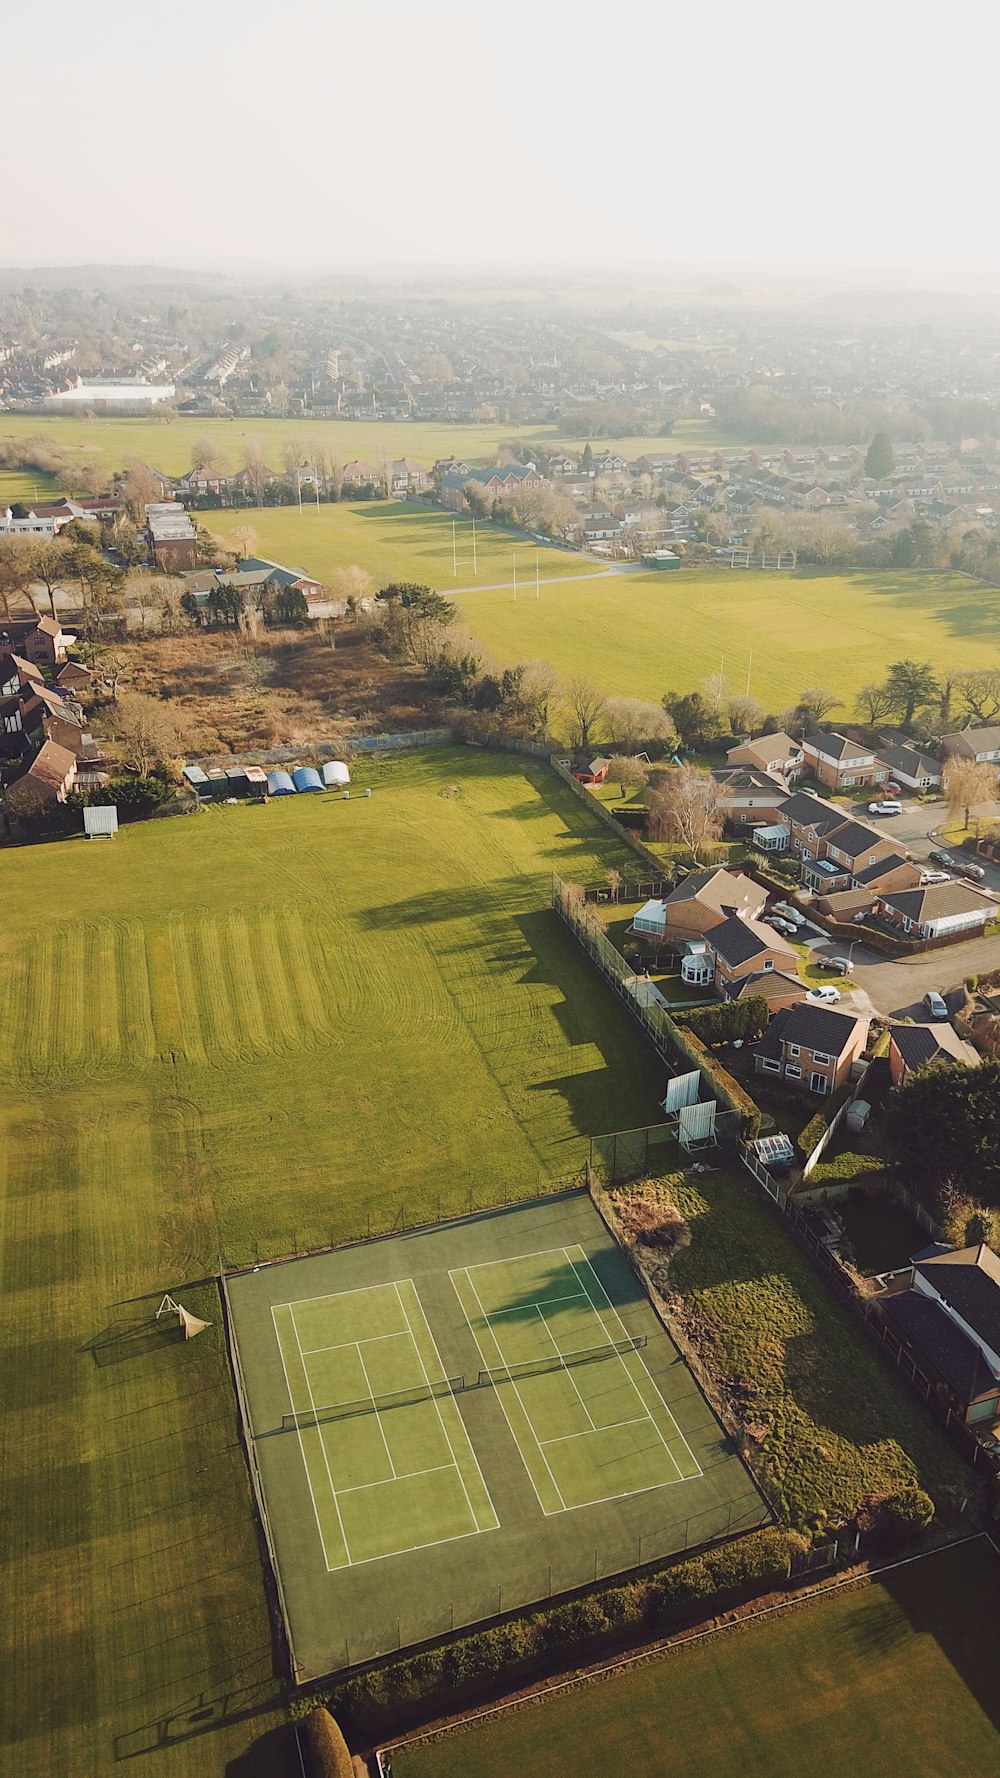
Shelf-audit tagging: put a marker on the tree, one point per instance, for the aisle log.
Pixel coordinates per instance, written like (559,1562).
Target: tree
(130,544)
(17,568)
(144,730)
(586,708)
(291,605)
(943,1126)
(631,721)
(52,566)
(145,593)
(697,721)
(980,692)
(874,704)
(328,1755)
(480,500)
(745,715)
(207,454)
(816,702)
(880,458)
(350,582)
(910,685)
(539,690)
(416,619)
(684,808)
(257,473)
(626,772)
(967,783)
(141,488)
(244,541)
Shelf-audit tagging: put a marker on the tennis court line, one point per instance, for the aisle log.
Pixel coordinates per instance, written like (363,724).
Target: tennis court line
(378,1418)
(562,1360)
(326,1460)
(363,1487)
(443,1379)
(698,1471)
(340,1345)
(563,1438)
(503,1366)
(574,1296)
(302,1453)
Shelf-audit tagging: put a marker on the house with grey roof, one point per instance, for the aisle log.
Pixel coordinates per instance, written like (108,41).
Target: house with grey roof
(945,1309)
(936,910)
(812,1047)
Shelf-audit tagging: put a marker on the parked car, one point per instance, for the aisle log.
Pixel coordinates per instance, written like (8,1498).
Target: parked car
(780,924)
(934,1004)
(934,876)
(944,858)
(974,872)
(787,912)
(837,965)
(894,790)
(884,809)
(827,995)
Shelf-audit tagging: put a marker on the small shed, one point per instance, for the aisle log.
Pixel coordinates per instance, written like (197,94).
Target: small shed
(280,784)
(219,783)
(306,778)
(256,781)
(238,782)
(198,781)
(661,558)
(335,772)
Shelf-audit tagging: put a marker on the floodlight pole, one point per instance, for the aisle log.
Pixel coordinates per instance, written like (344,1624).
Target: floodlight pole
(475,568)
(536,574)
(454,555)
(514,558)
(749,665)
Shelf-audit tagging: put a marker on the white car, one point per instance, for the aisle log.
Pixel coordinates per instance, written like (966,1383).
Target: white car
(827,995)
(787,912)
(884,809)
(934,876)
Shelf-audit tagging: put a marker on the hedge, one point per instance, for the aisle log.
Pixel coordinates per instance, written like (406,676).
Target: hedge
(326,1748)
(502,1656)
(727,1089)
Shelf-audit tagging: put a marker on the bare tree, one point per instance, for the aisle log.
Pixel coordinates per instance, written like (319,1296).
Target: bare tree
(716,689)
(244,541)
(140,489)
(145,593)
(336,475)
(145,731)
(684,808)
(256,470)
(816,702)
(967,784)
(631,721)
(586,708)
(17,569)
(207,453)
(746,715)
(383,463)
(628,773)
(51,566)
(539,690)
(874,703)
(350,583)
(980,692)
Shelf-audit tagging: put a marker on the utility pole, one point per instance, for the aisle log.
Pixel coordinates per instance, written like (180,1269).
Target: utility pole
(749,665)
(454,556)
(536,574)
(475,568)
(515,576)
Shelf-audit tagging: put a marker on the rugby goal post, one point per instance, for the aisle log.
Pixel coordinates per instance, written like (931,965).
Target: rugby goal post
(191,1324)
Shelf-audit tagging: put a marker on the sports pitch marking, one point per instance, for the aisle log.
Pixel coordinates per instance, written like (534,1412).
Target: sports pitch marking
(368,1475)
(590,1432)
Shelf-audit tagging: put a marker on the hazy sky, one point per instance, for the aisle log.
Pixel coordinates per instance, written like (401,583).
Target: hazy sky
(379,133)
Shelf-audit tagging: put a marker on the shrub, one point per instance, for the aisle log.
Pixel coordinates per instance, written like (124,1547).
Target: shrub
(765,1556)
(579,1621)
(814,1131)
(906,1513)
(326,1747)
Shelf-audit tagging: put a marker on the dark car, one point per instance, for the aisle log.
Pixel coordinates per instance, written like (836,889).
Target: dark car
(946,859)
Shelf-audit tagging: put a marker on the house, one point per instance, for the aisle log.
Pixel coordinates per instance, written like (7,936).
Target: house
(18,675)
(173,540)
(980,744)
(776,753)
(48,778)
(594,773)
(841,763)
(601,527)
(913,770)
(776,986)
(279,577)
(938,910)
(843,904)
(845,852)
(706,898)
(359,474)
(742,947)
(749,797)
(812,1047)
(914,1046)
(809,821)
(408,477)
(74,677)
(58,718)
(945,1307)
(40,640)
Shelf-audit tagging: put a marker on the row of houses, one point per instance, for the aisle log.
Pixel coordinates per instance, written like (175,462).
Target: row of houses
(45,746)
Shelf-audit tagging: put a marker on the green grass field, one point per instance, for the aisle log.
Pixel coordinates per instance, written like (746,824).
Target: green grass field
(897,1677)
(394,541)
(484,1411)
(254,1027)
(169,444)
(644,634)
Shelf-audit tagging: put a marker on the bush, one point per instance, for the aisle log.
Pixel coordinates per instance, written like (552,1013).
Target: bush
(815,1129)
(579,1621)
(905,1514)
(730,1021)
(765,1556)
(326,1747)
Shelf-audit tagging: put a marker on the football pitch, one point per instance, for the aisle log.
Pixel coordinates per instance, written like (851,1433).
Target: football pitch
(465,1420)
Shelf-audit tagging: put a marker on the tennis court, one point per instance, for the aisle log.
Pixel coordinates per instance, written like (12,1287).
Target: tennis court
(457,1422)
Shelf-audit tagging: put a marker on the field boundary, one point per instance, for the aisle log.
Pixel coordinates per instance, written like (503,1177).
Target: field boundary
(667,1646)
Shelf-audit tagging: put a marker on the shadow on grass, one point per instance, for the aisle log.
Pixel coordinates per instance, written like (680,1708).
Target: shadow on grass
(951,1596)
(272,1755)
(127,1339)
(210,1710)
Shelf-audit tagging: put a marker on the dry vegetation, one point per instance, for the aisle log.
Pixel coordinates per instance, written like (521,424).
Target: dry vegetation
(228,693)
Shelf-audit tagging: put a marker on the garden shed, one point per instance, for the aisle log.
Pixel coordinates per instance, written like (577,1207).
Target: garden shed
(335,772)
(280,784)
(306,778)
(198,781)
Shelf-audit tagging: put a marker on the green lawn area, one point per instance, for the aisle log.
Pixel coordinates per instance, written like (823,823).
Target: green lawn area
(838,1423)
(394,541)
(169,443)
(644,634)
(892,1678)
(882,1233)
(257,1027)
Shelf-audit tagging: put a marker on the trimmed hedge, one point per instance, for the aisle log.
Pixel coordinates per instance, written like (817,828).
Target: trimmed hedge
(325,1746)
(727,1089)
(502,1656)
(728,1021)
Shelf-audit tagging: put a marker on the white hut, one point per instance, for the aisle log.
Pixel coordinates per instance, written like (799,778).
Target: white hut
(335,772)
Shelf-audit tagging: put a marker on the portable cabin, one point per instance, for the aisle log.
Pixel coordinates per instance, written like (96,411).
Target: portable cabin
(198,781)
(280,784)
(306,778)
(335,772)
(256,783)
(238,782)
(219,783)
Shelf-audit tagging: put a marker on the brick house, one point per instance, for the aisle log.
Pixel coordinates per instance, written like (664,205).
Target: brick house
(706,898)
(937,910)
(776,753)
(749,797)
(914,1046)
(775,986)
(48,778)
(840,763)
(18,675)
(848,854)
(741,948)
(945,1307)
(915,771)
(812,1047)
(809,821)
(42,641)
(980,744)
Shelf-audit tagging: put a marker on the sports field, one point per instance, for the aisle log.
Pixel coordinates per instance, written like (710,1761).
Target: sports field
(644,634)
(254,1029)
(394,540)
(874,1682)
(466,1420)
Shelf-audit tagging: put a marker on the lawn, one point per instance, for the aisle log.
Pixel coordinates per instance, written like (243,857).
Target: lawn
(394,541)
(835,1423)
(254,1028)
(884,1235)
(169,444)
(895,1677)
(641,634)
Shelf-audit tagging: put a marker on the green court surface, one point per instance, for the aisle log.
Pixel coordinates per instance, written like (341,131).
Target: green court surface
(464,1420)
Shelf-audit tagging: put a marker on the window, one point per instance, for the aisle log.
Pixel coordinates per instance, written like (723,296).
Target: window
(818,1083)
(793,1049)
(770,1063)
(821,1060)
(847,780)
(793,1072)
(768,963)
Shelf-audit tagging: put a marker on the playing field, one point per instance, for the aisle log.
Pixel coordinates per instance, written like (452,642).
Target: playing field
(644,634)
(467,1420)
(255,1029)
(394,540)
(895,1678)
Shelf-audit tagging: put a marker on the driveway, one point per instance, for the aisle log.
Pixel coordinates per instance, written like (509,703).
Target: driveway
(915,829)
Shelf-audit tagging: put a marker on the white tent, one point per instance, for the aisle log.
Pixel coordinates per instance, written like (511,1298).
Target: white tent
(335,772)
(190,1323)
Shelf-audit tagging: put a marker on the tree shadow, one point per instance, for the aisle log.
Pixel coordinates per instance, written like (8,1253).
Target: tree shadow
(950,1595)
(273,1755)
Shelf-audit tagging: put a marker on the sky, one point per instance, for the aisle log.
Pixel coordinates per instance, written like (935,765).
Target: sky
(374,135)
